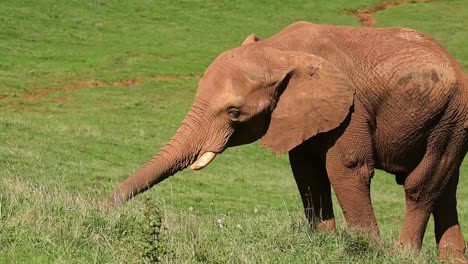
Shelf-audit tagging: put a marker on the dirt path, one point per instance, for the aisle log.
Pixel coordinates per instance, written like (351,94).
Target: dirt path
(366,16)
(41,92)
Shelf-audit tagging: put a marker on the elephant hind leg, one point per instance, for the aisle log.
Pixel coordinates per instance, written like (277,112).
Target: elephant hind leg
(420,188)
(430,182)
(314,187)
(449,237)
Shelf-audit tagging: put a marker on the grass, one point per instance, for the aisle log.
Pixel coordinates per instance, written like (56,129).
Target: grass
(44,225)
(65,145)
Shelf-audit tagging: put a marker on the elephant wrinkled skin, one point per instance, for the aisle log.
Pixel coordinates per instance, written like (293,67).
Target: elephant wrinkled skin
(342,101)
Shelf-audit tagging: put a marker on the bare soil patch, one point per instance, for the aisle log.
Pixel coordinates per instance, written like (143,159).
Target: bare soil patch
(366,16)
(38,93)
(62,99)
(175,78)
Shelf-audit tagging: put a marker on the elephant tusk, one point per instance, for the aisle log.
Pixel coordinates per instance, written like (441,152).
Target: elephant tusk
(203,161)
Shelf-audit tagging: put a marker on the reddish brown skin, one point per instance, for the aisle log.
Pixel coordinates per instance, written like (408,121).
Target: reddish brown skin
(343,101)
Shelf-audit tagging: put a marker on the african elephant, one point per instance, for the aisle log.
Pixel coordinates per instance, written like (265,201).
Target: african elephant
(342,101)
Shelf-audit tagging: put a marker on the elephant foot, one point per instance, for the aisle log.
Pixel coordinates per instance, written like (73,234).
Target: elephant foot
(452,254)
(407,248)
(327,226)
(452,246)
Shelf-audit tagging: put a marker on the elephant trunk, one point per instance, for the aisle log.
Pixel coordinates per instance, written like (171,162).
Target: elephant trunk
(180,152)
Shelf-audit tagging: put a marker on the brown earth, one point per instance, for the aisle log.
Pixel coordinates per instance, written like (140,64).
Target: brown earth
(366,16)
(175,78)
(40,92)
(62,99)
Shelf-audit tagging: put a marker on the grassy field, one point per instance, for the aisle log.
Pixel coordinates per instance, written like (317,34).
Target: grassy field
(89,90)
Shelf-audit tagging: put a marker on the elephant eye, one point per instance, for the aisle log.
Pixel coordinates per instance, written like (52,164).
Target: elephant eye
(234,113)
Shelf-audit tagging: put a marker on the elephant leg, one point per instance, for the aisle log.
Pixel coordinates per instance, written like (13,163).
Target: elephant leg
(414,224)
(449,237)
(350,168)
(313,184)
(424,187)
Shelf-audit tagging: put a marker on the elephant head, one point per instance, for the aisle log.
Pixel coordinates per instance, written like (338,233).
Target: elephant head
(247,93)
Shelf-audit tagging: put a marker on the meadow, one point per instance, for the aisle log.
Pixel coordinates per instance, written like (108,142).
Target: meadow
(90,90)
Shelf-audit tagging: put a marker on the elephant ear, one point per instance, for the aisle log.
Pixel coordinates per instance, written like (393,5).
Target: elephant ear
(252,38)
(316,98)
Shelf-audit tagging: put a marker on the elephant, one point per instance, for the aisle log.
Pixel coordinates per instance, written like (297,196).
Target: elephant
(342,101)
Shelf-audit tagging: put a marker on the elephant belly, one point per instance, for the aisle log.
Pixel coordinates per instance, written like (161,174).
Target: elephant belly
(401,136)
(396,154)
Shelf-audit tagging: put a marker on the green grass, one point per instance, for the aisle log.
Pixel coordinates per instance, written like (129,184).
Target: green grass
(64,147)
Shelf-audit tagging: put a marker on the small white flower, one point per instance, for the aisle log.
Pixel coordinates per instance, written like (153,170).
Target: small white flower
(220,222)
(190,208)
(239,226)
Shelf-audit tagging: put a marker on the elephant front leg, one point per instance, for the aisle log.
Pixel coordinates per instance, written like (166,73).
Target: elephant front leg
(350,169)
(313,184)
